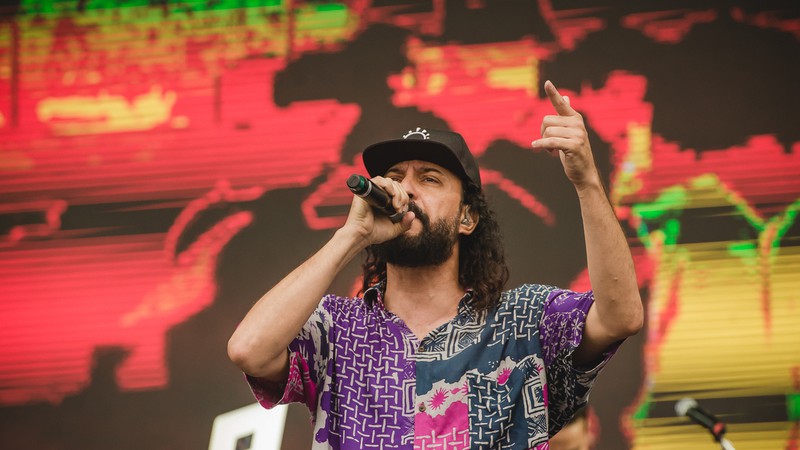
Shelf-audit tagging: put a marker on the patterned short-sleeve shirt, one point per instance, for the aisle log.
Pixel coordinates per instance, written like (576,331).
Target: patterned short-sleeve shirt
(501,379)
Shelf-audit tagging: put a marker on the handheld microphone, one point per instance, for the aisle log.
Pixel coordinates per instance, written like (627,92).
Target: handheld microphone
(374,195)
(688,407)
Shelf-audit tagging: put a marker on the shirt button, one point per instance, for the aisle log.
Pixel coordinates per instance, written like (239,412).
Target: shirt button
(421,407)
(421,348)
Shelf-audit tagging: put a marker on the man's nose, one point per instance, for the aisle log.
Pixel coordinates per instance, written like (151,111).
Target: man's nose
(408,186)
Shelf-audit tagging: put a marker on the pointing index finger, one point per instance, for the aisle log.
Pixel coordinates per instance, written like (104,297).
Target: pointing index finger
(559,103)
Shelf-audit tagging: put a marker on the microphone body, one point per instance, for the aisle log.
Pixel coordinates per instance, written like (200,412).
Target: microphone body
(688,407)
(375,196)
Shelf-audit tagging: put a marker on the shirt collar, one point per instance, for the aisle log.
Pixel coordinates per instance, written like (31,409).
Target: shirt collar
(467,301)
(466,305)
(374,296)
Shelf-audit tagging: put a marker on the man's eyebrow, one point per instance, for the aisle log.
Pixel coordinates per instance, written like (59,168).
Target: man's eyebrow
(393,170)
(426,169)
(422,170)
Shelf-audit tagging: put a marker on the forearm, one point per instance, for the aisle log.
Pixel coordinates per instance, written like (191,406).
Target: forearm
(611,271)
(258,346)
(617,309)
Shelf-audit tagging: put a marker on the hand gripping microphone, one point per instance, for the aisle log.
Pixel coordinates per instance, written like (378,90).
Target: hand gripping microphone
(374,195)
(688,407)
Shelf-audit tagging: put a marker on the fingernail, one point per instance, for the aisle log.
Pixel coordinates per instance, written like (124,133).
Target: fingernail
(534,143)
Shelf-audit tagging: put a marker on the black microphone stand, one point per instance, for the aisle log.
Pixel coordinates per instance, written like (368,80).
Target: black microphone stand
(688,407)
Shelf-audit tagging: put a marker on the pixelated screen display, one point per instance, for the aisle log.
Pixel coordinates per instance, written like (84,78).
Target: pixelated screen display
(164,163)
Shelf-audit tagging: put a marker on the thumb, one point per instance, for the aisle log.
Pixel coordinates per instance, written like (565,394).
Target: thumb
(405,222)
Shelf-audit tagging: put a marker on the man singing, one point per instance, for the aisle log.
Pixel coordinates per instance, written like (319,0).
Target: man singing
(435,353)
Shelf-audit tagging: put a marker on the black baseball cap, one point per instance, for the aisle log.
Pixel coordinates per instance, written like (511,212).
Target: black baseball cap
(444,148)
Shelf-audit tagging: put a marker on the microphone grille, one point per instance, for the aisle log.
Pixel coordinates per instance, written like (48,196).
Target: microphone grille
(684,405)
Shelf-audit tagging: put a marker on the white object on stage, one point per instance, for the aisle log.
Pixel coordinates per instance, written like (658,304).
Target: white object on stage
(249,428)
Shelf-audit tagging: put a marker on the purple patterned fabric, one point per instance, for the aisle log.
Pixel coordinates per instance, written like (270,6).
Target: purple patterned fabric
(498,379)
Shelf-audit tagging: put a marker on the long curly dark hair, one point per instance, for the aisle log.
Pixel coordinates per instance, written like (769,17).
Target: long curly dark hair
(481,262)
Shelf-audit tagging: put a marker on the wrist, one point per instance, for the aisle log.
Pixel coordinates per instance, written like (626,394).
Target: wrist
(589,186)
(352,239)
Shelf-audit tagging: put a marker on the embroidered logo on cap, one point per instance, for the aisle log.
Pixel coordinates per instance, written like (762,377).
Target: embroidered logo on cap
(419,132)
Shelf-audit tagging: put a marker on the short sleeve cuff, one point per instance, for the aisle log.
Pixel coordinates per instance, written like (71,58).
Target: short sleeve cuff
(587,373)
(294,390)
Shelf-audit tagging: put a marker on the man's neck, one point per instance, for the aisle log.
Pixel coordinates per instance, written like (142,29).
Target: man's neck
(423,297)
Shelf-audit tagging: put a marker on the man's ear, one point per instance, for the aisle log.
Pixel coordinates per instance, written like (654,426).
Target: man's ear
(469,220)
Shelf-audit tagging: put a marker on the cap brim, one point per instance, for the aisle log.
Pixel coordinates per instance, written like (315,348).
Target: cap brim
(381,156)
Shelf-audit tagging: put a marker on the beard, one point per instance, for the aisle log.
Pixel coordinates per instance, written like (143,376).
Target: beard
(431,247)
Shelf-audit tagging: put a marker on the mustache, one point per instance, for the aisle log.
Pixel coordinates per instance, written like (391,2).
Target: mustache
(419,213)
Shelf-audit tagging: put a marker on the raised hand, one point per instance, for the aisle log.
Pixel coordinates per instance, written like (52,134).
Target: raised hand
(566,133)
